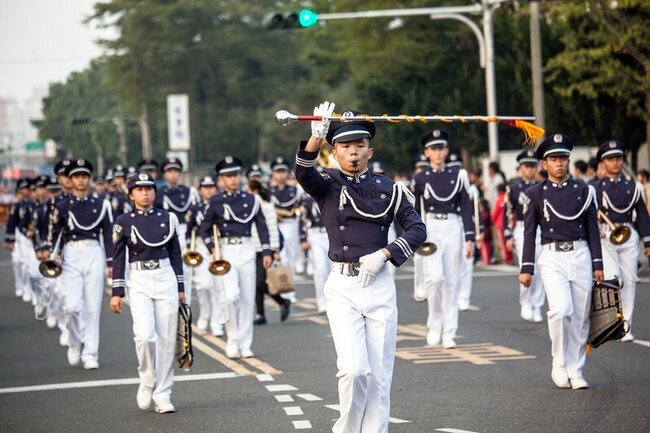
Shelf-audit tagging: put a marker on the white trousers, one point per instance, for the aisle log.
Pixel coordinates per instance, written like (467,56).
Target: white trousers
(533,296)
(291,252)
(82,287)
(363,322)
(318,248)
(19,281)
(240,293)
(441,272)
(466,275)
(153,297)
(620,261)
(26,256)
(209,291)
(567,278)
(187,270)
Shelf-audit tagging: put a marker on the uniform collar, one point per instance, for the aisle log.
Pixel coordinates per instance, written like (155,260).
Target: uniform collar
(357,178)
(144,212)
(561,184)
(615,179)
(442,168)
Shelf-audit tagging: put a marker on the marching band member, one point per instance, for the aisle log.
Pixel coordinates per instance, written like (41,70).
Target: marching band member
(357,208)
(155,288)
(443,200)
(82,220)
(421,164)
(177,199)
(377,168)
(531,299)
(565,211)
(149,166)
(234,212)
(255,173)
(118,198)
(286,199)
(208,289)
(14,238)
(313,238)
(261,286)
(622,201)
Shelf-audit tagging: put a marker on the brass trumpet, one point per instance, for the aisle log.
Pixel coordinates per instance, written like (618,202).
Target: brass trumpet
(218,266)
(52,268)
(620,233)
(426,249)
(192,257)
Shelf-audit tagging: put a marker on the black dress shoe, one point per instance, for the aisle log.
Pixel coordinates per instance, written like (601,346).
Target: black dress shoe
(259,321)
(285,310)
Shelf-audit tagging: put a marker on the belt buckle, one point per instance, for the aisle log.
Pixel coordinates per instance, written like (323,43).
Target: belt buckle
(564,246)
(440,216)
(350,269)
(150,264)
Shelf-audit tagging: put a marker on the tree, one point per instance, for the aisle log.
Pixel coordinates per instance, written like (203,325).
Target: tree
(605,63)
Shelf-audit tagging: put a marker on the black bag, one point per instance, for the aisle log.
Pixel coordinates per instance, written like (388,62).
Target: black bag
(184,354)
(606,320)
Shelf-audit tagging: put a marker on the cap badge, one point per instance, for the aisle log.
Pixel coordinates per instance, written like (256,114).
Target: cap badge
(557,138)
(142,176)
(453,157)
(348,114)
(436,133)
(278,160)
(228,159)
(612,144)
(81,162)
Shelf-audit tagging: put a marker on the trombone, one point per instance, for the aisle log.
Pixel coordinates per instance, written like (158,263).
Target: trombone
(52,268)
(218,266)
(620,233)
(192,257)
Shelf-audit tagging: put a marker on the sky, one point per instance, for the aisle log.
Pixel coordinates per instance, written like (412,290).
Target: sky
(43,41)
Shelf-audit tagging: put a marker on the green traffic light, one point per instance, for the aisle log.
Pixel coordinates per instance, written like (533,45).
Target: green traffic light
(307,18)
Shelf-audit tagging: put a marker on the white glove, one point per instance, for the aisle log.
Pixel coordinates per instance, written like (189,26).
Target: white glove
(371,265)
(319,127)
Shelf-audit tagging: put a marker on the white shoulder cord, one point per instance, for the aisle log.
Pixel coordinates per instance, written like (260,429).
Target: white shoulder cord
(72,221)
(228,213)
(345,196)
(607,204)
(285,203)
(173,225)
(428,190)
(590,198)
(167,204)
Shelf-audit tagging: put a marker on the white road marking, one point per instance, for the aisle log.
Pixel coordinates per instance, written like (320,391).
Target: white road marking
(301,425)
(293,410)
(641,342)
(277,388)
(453,430)
(265,378)
(283,398)
(110,382)
(309,397)
(392,420)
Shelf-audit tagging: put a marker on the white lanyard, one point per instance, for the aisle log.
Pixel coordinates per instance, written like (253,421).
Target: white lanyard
(173,224)
(228,213)
(590,197)
(73,223)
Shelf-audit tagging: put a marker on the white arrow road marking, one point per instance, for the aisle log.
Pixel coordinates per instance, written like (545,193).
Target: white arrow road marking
(392,420)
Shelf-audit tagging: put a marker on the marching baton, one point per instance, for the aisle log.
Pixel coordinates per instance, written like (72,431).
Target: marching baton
(532,132)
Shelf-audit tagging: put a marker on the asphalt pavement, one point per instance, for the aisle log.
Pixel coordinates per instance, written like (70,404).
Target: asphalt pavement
(496,380)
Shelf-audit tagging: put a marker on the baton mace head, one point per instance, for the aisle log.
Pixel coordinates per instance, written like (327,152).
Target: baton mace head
(283,117)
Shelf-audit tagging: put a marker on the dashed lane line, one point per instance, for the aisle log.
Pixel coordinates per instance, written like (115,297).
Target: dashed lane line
(278,388)
(293,410)
(110,382)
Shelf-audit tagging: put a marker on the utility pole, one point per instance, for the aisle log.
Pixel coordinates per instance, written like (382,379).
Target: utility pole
(536,64)
(121,132)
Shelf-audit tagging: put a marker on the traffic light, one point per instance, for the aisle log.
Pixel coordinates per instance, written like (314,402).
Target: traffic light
(290,20)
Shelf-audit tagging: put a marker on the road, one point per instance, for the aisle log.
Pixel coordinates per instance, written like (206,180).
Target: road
(497,380)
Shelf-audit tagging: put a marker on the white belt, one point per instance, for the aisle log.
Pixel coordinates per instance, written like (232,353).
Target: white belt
(347,269)
(82,243)
(564,246)
(318,230)
(235,240)
(149,265)
(442,216)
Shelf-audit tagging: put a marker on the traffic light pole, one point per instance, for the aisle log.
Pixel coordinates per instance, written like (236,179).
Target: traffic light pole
(485,39)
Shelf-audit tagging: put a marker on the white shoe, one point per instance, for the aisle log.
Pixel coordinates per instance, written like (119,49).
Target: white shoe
(143,397)
(434,336)
(19,293)
(27,297)
(527,313)
(232,351)
(578,383)
(63,338)
(537,315)
(74,355)
(560,377)
(322,310)
(246,353)
(91,365)
(217,331)
(468,307)
(202,324)
(51,321)
(165,406)
(448,343)
(627,338)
